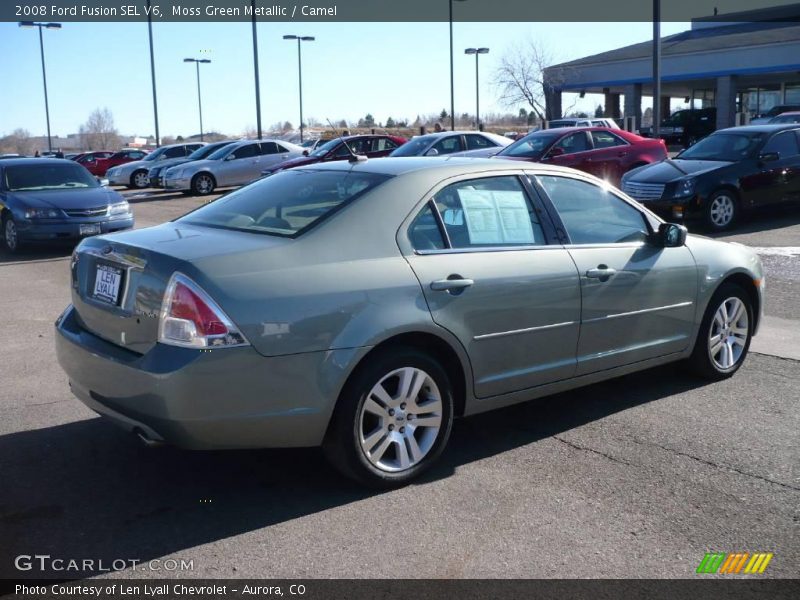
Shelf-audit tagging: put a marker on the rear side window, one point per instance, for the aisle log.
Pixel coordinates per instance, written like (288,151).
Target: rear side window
(488,212)
(593,215)
(286,203)
(784,143)
(424,231)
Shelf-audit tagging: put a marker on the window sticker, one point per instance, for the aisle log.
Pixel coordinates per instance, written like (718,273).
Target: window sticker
(496,217)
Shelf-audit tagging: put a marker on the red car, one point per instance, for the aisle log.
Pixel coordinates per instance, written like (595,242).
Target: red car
(102,165)
(89,160)
(603,152)
(369,145)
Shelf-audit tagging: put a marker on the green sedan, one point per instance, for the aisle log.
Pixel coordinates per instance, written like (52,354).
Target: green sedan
(364,305)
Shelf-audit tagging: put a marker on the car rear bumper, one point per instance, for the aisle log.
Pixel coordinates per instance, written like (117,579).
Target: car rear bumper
(32,231)
(227,398)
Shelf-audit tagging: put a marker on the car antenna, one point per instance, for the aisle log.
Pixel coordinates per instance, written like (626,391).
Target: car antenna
(353,156)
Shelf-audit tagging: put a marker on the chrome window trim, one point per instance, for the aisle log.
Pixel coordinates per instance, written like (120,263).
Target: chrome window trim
(487,336)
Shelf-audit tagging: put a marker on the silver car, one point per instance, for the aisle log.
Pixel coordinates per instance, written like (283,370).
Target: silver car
(449,142)
(235,164)
(362,306)
(135,174)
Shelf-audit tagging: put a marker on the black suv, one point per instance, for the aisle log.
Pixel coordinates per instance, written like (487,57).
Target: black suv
(685,127)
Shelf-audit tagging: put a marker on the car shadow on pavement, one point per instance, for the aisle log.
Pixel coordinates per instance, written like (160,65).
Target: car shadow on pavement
(87,490)
(34,253)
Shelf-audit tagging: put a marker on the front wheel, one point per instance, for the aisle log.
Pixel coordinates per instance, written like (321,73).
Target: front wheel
(392,420)
(203,184)
(11,235)
(722,210)
(140,180)
(725,334)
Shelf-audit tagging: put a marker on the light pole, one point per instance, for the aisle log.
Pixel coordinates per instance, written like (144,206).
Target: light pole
(452,78)
(44,72)
(304,38)
(255,69)
(477,52)
(153,70)
(655,131)
(197,62)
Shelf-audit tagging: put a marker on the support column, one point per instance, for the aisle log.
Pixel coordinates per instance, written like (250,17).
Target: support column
(552,98)
(633,104)
(611,106)
(665,109)
(726,101)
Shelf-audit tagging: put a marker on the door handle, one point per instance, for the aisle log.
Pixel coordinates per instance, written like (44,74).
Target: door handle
(457,284)
(602,272)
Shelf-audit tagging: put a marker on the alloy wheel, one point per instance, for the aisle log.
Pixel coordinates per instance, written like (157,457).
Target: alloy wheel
(140,179)
(10,232)
(400,419)
(728,334)
(722,210)
(204,184)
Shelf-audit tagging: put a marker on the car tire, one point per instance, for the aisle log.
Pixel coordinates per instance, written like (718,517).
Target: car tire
(374,436)
(203,184)
(725,333)
(139,180)
(721,210)
(11,240)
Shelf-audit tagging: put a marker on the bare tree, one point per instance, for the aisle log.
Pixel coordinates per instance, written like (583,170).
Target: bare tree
(520,78)
(99,133)
(19,141)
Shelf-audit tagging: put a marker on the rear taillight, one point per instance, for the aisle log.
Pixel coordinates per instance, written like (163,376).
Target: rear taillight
(190,318)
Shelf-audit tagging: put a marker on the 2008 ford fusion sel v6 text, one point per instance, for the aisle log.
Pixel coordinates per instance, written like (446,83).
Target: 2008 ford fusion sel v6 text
(362,305)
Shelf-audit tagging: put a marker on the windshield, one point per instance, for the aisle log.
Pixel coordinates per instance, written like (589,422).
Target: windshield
(414,146)
(729,147)
(531,146)
(156,154)
(48,177)
(286,203)
(206,151)
(555,124)
(325,148)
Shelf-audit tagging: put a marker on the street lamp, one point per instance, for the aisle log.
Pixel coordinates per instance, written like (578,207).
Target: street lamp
(44,73)
(255,69)
(153,71)
(197,62)
(304,38)
(477,52)
(452,79)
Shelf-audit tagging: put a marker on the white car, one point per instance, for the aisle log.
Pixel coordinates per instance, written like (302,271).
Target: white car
(596,122)
(235,164)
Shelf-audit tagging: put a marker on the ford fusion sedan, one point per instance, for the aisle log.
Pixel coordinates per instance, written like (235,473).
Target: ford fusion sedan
(52,200)
(342,148)
(729,172)
(156,173)
(135,174)
(448,142)
(235,164)
(605,153)
(362,306)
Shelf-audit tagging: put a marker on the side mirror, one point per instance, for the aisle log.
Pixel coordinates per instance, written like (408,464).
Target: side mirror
(230,157)
(557,151)
(671,235)
(768,156)
(305,152)
(432,152)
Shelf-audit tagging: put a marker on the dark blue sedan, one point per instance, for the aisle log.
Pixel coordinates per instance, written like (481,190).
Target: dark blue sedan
(48,200)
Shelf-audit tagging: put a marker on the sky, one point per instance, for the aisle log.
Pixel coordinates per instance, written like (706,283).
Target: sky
(386,69)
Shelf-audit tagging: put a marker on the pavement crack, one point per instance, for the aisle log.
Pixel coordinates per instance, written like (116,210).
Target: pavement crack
(593,451)
(716,465)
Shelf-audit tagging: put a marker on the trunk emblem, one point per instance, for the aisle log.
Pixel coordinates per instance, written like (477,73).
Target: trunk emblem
(107,250)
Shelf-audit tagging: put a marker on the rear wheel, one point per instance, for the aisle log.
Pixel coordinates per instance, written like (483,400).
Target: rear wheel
(11,234)
(392,420)
(203,184)
(139,180)
(725,334)
(722,210)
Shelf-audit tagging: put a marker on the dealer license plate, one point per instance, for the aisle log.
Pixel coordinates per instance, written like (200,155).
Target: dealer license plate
(106,283)
(89,229)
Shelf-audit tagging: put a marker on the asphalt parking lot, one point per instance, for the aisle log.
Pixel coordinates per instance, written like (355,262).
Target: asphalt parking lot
(636,477)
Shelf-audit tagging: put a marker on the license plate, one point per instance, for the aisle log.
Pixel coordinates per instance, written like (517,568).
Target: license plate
(106,283)
(89,229)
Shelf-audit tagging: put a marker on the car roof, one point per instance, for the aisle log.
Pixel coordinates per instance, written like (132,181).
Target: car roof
(446,165)
(760,128)
(29,160)
(789,112)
